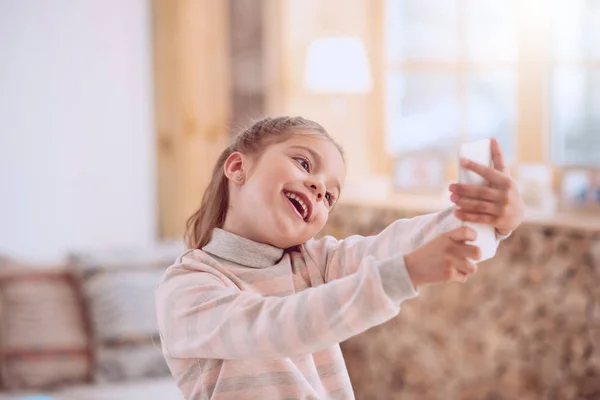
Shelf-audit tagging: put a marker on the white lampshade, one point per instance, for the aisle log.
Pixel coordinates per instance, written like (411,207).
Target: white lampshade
(337,65)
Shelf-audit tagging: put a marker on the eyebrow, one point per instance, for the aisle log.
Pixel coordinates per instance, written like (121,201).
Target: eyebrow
(315,154)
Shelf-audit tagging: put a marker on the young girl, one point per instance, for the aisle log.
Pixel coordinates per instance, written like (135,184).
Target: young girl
(256,308)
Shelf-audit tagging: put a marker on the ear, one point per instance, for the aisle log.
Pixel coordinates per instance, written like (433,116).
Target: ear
(234,167)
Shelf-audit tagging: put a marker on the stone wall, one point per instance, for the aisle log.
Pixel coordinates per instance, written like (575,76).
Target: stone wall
(526,326)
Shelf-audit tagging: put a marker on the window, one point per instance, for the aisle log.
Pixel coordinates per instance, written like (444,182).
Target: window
(575,82)
(526,72)
(451,73)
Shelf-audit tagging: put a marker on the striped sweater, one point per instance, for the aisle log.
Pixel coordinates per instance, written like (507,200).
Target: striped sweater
(245,320)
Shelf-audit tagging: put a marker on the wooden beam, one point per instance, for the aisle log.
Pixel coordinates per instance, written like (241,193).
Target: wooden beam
(191,75)
(380,161)
(274,62)
(533,140)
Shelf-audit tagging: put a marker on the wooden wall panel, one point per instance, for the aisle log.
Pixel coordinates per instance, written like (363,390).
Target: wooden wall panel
(533,90)
(356,120)
(192,102)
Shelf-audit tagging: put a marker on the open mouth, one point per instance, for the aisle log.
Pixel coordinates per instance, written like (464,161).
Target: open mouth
(300,204)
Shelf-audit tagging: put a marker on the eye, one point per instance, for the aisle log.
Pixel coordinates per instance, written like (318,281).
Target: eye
(330,198)
(303,163)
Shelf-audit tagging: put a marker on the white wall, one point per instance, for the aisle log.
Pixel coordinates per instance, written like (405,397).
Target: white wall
(76,126)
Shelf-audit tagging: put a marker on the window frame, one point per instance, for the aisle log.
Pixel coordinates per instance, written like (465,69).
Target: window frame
(534,66)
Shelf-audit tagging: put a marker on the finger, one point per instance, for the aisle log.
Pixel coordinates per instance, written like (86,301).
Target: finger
(475,217)
(462,278)
(498,156)
(460,265)
(453,274)
(457,276)
(463,234)
(466,268)
(476,206)
(491,175)
(466,251)
(478,192)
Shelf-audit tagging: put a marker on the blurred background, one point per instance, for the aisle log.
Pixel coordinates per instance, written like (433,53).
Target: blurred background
(112,114)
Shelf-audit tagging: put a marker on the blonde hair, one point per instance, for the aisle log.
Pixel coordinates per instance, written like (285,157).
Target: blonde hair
(252,141)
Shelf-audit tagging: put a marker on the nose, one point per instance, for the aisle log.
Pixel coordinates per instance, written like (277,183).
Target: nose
(317,187)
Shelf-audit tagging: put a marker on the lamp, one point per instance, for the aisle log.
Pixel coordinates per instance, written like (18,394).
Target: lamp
(337,65)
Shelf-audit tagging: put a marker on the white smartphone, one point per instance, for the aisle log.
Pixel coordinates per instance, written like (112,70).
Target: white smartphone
(481,153)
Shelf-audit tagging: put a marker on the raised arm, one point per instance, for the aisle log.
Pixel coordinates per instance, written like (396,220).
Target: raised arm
(337,259)
(199,316)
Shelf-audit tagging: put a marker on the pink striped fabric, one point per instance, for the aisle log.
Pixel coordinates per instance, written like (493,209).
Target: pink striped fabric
(244,320)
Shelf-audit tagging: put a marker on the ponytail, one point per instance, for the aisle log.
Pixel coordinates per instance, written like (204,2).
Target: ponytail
(213,208)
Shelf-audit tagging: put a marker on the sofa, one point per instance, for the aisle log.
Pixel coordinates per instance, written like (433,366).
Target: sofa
(85,329)
(526,326)
(145,389)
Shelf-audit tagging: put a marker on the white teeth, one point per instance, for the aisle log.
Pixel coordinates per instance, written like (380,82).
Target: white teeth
(299,200)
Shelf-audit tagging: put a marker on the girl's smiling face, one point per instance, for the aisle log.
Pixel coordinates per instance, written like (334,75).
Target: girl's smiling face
(285,196)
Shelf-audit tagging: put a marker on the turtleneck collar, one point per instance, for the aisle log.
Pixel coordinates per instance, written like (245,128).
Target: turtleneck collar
(240,250)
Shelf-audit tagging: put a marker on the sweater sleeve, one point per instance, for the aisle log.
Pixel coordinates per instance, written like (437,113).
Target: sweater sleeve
(200,316)
(337,259)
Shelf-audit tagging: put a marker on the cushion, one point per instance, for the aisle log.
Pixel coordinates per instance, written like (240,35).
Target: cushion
(44,340)
(148,389)
(118,287)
